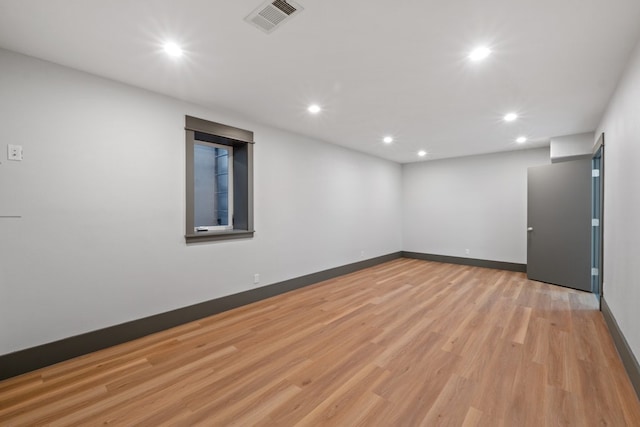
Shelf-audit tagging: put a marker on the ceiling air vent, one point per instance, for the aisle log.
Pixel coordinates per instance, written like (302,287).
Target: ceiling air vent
(269,16)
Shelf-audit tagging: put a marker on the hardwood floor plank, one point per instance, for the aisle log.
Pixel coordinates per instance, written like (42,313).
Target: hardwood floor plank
(416,382)
(405,343)
(560,364)
(562,408)
(450,407)
(319,382)
(137,390)
(471,325)
(518,324)
(48,412)
(526,405)
(606,409)
(48,395)
(352,397)
(498,379)
(474,418)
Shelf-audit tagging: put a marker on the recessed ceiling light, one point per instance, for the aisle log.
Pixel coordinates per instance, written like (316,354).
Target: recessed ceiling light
(510,117)
(521,140)
(173,49)
(314,109)
(387,139)
(422,153)
(479,53)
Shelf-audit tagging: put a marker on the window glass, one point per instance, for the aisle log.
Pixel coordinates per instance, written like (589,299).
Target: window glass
(212,189)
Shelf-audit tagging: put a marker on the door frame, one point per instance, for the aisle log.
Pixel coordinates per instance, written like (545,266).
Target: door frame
(597,284)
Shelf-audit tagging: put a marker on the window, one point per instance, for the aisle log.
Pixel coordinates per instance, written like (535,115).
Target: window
(219,181)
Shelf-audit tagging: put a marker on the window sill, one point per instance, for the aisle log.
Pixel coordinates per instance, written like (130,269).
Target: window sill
(211,236)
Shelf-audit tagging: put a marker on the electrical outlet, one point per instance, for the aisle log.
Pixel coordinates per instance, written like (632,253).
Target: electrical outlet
(467,251)
(14,152)
(256,279)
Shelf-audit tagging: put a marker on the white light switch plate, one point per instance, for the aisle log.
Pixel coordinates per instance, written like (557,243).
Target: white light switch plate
(14,152)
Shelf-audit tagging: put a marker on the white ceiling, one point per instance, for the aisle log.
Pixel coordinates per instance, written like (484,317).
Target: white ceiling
(376,67)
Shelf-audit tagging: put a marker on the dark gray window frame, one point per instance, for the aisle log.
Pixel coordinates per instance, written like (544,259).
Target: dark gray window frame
(242,142)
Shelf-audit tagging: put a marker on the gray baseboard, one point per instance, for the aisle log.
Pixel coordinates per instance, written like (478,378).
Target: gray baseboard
(499,265)
(30,359)
(628,359)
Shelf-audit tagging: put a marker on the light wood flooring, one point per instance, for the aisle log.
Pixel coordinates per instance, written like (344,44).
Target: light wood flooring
(405,343)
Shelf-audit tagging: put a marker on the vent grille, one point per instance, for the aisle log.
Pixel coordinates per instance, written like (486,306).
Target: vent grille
(273,15)
(270,15)
(284,7)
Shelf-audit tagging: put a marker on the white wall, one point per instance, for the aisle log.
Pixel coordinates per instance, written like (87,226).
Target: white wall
(570,147)
(101,195)
(621,126)
(477,203)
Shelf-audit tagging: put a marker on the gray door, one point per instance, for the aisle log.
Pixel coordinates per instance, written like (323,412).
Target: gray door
(559,224)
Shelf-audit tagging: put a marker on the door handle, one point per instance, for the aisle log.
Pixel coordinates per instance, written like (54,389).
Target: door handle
(529,228)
